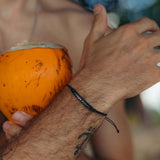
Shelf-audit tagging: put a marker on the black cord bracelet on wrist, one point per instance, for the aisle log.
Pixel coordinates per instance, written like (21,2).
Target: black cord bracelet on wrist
(88,106)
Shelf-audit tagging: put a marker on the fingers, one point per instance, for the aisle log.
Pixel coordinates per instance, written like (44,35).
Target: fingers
(21,118)
(145,24)
(11,129)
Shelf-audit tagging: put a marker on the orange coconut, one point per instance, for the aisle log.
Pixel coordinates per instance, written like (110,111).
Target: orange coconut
(30,76)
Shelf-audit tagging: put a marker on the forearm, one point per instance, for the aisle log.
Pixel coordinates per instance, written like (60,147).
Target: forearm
(107,143)
(62,130)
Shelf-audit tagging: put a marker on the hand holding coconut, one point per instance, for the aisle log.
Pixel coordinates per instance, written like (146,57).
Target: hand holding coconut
(40,70)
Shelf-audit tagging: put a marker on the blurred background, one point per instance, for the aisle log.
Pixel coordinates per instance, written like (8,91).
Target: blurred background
(144,110)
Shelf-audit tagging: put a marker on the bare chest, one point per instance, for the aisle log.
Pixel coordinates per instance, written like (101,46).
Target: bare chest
(69,31)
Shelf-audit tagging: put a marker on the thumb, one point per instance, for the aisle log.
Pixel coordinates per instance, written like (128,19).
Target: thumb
(100,23)
(98,30)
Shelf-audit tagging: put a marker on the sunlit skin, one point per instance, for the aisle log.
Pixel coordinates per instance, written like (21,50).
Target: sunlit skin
(126,67)
(68,24)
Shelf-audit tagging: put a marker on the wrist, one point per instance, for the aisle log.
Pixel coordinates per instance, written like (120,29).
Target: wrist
(96,90)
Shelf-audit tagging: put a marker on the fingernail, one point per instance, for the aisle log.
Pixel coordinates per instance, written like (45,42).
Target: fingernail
(97,10)
(18,116)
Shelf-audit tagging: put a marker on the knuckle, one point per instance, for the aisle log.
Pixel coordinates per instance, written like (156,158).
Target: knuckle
(127,29)
(145,19)
(125,33)
(151,22)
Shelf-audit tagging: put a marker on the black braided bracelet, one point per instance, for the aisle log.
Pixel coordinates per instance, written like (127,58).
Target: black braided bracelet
(88,106)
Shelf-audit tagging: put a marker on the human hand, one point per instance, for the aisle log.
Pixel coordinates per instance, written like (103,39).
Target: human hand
(21,119)
(122,63)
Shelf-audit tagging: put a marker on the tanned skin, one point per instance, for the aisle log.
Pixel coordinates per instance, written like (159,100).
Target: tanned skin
(59,131)
(67,23)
